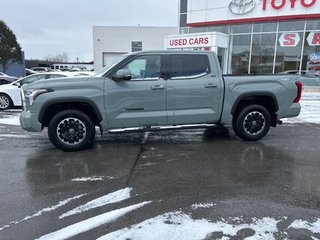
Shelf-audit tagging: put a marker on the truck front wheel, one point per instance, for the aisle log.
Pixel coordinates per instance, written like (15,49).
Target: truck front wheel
(71,130)
(252,123)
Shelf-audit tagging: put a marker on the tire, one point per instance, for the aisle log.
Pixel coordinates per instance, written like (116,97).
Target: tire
(252,123)
(5,102)
(71,130)
(234,126)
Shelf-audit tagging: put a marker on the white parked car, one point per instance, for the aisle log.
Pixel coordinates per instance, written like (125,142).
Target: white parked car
(10,93)
(5,79)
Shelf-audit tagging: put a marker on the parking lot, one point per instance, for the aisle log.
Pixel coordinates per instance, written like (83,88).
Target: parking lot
(187,184)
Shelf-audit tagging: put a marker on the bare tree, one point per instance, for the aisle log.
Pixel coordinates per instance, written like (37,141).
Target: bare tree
(62,58)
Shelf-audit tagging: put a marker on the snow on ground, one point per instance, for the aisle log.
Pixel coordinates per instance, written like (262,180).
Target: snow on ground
(202,205)
(10,120)
(114,197)
(14,136)
(312,227)
(310,109)
(91,223)
(310,113)
(91,179)
(45,210)
(178,225)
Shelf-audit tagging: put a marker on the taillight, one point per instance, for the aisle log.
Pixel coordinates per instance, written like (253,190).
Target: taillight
(299,93)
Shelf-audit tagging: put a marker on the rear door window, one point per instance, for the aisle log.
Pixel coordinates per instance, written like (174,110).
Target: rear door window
(184,66)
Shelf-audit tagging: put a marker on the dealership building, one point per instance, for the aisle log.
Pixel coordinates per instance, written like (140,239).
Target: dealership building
(110,42)
(249,36)
(252,36)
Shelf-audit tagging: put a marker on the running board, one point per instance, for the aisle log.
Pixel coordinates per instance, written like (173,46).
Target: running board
(160,128)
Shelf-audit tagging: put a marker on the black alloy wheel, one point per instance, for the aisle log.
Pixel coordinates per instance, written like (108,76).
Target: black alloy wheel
(71,130)
(252,123)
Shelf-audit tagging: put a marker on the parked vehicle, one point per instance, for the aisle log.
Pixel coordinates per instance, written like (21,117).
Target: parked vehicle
(149,90)
(41,69)
(7,78)
(306,77)
(10,93)
(29,72)
(3,81)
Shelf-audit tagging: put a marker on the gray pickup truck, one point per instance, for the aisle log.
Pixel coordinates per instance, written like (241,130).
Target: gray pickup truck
(149,90)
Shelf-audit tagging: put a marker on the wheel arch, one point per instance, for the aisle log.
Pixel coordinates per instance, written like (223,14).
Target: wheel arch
(49,109)
(267,100)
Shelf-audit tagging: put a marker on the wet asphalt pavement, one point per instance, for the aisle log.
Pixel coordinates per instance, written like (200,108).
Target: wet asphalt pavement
(277,177)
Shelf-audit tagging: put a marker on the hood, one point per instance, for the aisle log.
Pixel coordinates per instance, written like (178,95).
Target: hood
(56,83)
(7,86)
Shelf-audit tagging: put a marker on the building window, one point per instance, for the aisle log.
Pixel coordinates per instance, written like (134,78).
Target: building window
(262,53)
(183,20)
(198,29)
(136,46)
(183,6)
(313,25)
(288,52)
(265,27)
(241,28)
(311,52)
(240,55)
(291,25)
(219,28)
(184,30)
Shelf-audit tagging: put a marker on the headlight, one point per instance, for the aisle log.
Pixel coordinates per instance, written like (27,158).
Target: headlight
(32,94)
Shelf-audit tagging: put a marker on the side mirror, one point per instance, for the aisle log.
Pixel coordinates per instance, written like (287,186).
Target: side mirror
(122,75)
(18,84)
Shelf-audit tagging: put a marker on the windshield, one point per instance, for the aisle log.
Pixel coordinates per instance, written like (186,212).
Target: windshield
(102,71)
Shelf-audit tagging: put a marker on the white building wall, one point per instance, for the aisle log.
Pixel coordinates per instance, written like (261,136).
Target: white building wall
(117,40)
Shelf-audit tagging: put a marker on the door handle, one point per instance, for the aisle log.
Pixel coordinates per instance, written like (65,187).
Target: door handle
(157,87)
(210,85)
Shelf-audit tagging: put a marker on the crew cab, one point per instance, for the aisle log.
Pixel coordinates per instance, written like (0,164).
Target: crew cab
(150,90)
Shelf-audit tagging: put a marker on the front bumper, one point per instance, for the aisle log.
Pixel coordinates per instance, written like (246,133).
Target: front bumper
(29,122)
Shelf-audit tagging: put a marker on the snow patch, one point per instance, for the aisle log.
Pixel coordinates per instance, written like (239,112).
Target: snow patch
(310,113)
(178,225)
(45,210)
(114,197)
(310,95)
(312,227)
(148,164)
(91,223)
(14,136)
(10,121)
(203,205)
(91,179)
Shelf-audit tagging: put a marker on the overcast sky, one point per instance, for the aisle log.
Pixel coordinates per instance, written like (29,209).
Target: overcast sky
(53,27)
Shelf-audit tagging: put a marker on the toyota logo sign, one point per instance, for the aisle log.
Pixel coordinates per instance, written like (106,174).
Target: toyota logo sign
(241,7)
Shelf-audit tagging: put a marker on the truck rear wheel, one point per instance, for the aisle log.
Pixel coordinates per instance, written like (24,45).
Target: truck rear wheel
(71,130)
(252,123)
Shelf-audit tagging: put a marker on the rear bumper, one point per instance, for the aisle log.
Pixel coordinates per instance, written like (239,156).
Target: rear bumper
(29,122)
(292,111)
